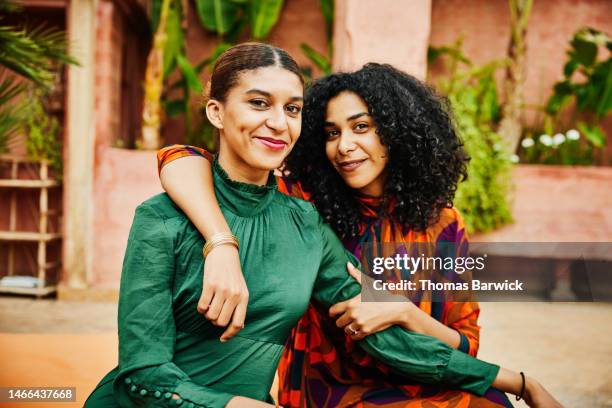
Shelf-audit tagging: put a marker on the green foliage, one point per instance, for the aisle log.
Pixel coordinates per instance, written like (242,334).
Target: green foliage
(203,136)
(593,133)
(327,9)
(587,83)
(189,74)
(10,110)
(264,16)
(218,15)
(175,43)
(472,93)
(453,51)
(565,149)
(321,61)
(43,132)
(229,18)
(33,54)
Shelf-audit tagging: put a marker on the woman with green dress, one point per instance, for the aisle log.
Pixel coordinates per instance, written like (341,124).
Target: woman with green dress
(168,354)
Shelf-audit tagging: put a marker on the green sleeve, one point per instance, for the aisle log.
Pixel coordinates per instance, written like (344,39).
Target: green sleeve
(147,376)
(416,356)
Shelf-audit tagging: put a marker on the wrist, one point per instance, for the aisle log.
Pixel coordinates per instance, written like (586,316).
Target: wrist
(226,249)
(220,239)
(530,387)
(407,316)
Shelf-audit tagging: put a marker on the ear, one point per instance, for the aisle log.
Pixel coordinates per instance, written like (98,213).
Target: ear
(214,113)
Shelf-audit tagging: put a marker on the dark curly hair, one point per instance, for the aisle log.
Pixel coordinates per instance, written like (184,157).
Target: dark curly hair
(426,156)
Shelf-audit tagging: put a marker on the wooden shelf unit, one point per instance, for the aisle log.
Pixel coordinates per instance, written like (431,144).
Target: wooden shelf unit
(42,237)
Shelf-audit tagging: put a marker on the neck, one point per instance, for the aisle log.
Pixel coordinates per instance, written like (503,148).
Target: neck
(238,170)
(375,189)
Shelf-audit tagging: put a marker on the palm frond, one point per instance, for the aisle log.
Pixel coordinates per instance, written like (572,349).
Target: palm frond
(10,108)
(34,53)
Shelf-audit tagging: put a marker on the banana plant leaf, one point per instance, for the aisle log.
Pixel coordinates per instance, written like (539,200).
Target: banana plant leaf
(175,42)
(264,16)
(318,59)
(189,73)
(219,16)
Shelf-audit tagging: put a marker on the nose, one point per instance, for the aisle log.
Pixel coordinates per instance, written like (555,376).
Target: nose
(346,144)
(277,120)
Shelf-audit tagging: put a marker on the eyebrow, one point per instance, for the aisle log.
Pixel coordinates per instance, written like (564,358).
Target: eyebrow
(352,117)
(358,115)
(269,95)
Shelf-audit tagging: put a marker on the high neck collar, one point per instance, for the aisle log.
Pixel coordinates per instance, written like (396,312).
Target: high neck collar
(242,199)
(371,207)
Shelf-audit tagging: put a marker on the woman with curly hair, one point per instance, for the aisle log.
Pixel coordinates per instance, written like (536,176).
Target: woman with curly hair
(168,355)
(380,159)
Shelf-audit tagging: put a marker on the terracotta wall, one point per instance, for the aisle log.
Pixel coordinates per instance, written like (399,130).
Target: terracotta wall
(558,204)
(124,179)
(109,38)
(484,26)
(384,31)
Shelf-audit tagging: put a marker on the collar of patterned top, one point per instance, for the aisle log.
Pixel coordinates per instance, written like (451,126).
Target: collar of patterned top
(242,199)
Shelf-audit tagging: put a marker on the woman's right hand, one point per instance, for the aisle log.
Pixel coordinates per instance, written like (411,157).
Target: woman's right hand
(537,396)
(225,295)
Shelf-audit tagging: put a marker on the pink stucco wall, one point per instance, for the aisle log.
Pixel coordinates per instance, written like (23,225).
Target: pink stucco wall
(385,31)
(558,204)
(123,179)
(484,26)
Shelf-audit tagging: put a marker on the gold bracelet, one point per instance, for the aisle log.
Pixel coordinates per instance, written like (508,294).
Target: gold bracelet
(222,238)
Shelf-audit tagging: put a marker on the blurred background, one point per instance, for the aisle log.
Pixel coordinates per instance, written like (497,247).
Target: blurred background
(89,89)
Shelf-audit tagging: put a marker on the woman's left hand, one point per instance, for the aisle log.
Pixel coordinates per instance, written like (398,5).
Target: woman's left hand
(360,319)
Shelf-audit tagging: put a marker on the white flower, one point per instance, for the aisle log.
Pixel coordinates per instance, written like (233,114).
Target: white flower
(572,134)
(497,147)
(558,139)
(514,158)
(527,142)
(546,140)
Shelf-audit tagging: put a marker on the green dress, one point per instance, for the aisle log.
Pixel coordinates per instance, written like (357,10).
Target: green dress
(288,255)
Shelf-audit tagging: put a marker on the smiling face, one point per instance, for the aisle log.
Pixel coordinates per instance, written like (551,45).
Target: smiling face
(353,147)
(259,122)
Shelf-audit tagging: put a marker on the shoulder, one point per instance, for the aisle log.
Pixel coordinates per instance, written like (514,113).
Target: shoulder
(451,216)
(161,206)
(160,219)
(449,227)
